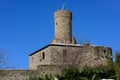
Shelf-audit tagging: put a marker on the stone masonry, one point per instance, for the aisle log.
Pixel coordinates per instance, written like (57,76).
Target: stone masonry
(63,49)
(63,27)
(75,55)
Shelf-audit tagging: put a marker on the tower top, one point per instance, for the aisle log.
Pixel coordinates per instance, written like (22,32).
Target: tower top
(63,26)
(63,9)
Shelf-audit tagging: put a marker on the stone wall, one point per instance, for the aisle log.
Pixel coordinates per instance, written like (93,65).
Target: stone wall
(70,55)
(17,74)
(25,74)
(37,59)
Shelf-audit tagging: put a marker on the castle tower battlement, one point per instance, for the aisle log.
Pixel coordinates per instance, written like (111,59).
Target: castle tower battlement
(63,27)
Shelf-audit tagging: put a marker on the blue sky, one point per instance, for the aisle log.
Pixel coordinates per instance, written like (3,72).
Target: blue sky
(28,25)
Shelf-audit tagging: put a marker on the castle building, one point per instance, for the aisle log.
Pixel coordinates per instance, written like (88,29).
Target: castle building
(63,51)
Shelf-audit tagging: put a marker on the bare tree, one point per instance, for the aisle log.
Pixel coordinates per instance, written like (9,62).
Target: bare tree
(4,62)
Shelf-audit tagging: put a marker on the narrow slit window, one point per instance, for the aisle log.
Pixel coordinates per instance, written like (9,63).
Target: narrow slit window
(56,23)
(43,55)
(104,51)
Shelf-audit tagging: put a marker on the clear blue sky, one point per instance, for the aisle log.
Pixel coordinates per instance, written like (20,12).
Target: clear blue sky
(28,25)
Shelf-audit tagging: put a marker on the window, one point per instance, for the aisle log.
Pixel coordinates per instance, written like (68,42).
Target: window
(43,55)
(104,51)
(64,52)
(69,22)
(56,23)
(32,58)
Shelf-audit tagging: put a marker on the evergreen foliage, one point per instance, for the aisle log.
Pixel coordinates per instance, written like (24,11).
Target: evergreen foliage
(86,74)
(117,65)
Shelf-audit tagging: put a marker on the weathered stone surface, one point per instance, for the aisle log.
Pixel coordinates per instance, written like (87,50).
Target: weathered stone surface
(66,54)
(63,27)
(17,74)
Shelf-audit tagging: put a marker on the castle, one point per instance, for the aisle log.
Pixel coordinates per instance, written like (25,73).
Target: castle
(62,52)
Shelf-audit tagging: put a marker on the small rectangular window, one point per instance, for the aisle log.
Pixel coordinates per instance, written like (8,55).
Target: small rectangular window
(104,51)
(43,55)
(56,23)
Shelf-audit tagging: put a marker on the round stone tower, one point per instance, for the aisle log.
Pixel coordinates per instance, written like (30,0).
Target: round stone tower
(63,27)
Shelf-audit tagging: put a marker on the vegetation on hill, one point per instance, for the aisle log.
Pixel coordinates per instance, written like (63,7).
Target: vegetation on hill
(117,65)
(86,74)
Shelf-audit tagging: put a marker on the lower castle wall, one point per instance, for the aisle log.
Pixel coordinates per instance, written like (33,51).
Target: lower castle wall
(25,74)
(16,74)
